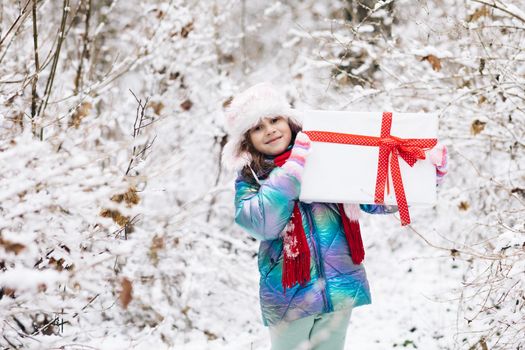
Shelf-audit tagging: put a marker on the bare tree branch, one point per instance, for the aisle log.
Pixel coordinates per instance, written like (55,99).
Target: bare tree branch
(500,6)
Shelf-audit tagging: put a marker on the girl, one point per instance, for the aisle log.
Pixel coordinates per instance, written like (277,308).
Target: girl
(310,254)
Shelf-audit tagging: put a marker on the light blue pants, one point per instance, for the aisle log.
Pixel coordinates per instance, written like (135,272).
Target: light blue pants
(316,332)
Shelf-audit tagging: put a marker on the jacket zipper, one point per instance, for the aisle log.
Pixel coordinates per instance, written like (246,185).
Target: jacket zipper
(320,269)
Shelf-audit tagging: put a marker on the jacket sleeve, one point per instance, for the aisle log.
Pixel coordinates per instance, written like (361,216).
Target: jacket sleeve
(378,209)
(264,212)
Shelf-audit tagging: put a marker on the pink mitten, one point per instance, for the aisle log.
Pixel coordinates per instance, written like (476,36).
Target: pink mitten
(438,156)
(300,150)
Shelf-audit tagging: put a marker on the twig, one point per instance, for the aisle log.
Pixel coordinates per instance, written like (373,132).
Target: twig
(9,342)
(23,14)
(491,179)
(124,66)
(497,5)
(46,325)
(137,128)
(22,335)
(453,250)
(9,44)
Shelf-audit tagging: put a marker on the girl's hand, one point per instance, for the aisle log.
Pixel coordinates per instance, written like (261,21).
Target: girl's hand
(300,150)
(439,157)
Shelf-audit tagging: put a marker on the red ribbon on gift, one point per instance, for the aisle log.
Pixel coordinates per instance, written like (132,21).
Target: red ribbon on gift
(390,149)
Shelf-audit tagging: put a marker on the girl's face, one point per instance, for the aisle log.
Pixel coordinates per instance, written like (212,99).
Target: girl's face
(271,136)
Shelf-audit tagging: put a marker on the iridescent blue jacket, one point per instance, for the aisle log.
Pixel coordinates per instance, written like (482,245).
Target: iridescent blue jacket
(336,282)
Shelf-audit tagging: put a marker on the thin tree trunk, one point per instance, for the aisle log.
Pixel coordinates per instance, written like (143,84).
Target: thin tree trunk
(34,96)
(49,85)
(84,54)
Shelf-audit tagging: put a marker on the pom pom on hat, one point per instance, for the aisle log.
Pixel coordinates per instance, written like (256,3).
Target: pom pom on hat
(245,111)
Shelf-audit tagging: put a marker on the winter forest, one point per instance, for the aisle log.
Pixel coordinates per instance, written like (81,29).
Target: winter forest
(116,216)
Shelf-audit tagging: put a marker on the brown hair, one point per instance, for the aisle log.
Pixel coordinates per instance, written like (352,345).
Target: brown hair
(260,165)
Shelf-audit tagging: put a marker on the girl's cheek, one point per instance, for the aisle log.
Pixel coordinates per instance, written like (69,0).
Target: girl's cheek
(255,135)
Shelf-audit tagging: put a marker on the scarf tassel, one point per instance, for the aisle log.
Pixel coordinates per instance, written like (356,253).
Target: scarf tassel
(353,236)
(296,271)
(296,262)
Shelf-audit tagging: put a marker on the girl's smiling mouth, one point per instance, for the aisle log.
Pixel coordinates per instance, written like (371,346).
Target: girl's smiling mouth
(273,140)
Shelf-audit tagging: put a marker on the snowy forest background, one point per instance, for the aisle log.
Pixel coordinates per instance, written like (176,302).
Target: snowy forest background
(116,218)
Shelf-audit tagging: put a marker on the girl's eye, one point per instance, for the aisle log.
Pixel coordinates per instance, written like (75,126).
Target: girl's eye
(257,128)
(275,120)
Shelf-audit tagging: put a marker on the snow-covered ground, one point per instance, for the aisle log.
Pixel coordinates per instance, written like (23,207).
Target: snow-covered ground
(414,296)
(413,300)
(116,236)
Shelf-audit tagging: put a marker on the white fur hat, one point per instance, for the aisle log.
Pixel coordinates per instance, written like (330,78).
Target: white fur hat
(246,109)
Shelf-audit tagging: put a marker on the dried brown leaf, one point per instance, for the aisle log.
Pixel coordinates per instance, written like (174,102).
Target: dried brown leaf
(463,205)
(481,65)
(130,197)
(157,243)
(186,29)
(519,191)
(57,264)
(120,219)
(126,292)
(482,99)
(228,102)
(11,247)
(10,292)
(81,112)
(18,119)
(185,310)
(157,107)
(477,127)
(434,61)
(210,335)
(227,58)
(483,344)
(186,105)
(480,12)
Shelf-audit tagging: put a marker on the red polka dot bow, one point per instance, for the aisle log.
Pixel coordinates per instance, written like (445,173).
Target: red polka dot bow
(390,149)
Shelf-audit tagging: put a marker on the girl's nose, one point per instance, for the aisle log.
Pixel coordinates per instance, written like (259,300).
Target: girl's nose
(271,130)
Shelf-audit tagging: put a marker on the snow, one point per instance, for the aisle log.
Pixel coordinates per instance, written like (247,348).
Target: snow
(451,279)
(274,9)
(23,279)
(515,10)
(366,28)
(412,299)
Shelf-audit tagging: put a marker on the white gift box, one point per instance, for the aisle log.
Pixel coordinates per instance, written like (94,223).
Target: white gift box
(342,173)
